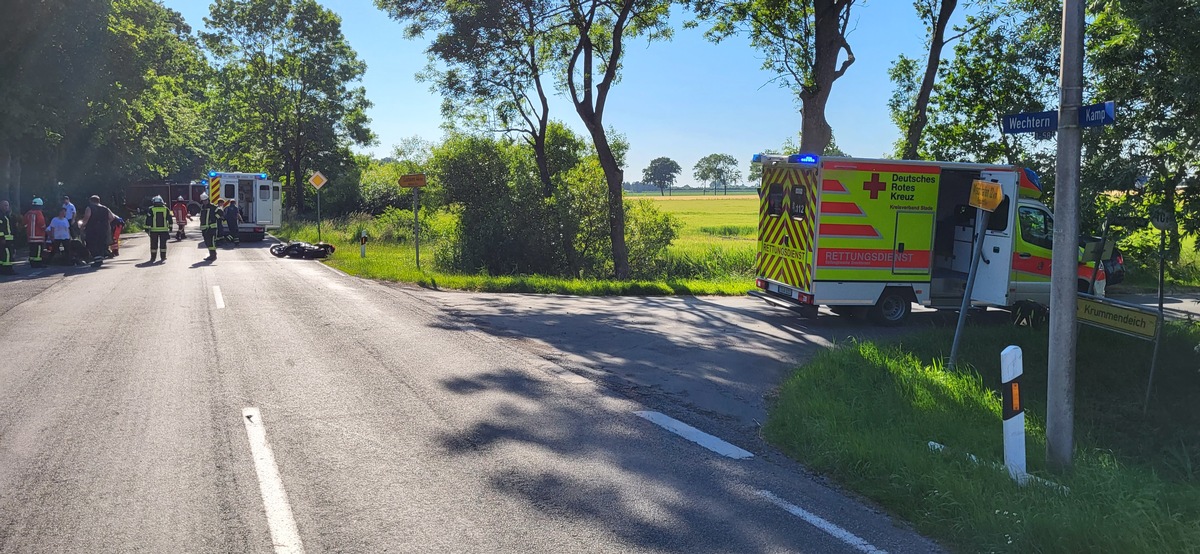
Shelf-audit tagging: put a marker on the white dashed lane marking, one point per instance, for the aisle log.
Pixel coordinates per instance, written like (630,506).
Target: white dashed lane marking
(695,435)
(284,535)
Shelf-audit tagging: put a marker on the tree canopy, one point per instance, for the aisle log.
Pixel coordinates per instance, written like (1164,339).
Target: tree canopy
(284,96)
(661,173)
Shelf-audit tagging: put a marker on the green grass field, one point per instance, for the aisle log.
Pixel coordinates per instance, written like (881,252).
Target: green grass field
(714,255)
(863,413)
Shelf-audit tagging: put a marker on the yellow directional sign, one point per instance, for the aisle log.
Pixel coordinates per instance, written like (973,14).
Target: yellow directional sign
(317,180)
(1117,316)
(986,195)
(414,180)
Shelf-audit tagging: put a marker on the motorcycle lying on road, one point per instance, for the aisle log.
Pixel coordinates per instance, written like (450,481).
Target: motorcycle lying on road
(302,250)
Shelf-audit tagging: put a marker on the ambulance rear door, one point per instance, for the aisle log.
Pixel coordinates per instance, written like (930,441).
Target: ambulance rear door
(993,283)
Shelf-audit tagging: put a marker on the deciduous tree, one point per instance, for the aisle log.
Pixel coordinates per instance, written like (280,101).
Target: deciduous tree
(661,173)
(718,171)
(801,40)
(285,95)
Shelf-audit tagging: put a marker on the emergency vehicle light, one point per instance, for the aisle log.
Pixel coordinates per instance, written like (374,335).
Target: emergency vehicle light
(810,159)
(212,173)
(757,158)
(262,176)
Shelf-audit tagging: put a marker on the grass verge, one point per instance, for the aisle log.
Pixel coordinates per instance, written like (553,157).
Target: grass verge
(864,412)
(397,262)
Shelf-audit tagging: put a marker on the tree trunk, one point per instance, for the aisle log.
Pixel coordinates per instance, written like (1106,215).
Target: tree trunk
(543,163)
(616,201)
(815,133)
(936,42)
(15,185)
(297,188)
(5,158)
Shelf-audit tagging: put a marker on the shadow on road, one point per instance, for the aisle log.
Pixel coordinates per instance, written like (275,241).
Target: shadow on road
(632,490)
(721,357)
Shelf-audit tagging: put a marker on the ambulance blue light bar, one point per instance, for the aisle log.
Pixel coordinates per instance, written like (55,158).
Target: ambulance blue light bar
(262,176)
(212,173)
(808,159)
(757,158)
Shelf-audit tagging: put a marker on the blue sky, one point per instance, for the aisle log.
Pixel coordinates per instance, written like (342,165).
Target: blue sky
(683,99)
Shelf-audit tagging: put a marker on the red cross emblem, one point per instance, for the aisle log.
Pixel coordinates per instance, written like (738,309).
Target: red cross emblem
(875,186)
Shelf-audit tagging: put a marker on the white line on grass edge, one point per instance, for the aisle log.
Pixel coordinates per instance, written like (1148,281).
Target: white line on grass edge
(284,536)
(823,524)
(220,300)
(695,435)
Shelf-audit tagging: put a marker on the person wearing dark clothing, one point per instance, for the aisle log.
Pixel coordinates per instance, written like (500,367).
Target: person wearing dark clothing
(7,240)
(210,217)
(158,224)
(96,224)
(232,215)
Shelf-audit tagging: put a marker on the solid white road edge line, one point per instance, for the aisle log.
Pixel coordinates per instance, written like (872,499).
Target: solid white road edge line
(695,435)
(284,536)
(822,524)
(218,298)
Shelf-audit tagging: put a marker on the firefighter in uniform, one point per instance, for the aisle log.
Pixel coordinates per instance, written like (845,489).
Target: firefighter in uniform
(35,226)
(180,211)
(158,223)
(210,215)
(6,240)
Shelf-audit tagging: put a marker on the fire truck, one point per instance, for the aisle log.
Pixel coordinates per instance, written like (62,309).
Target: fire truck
(876,236)
(259,198)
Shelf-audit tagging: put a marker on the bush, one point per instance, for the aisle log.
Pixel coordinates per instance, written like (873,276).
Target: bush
(648,233)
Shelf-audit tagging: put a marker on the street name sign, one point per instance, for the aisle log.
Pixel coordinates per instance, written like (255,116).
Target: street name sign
(415,180)
(317,180)
(1122,317)
(986,195)
(1044,123)
(1029,122)
(1095,115)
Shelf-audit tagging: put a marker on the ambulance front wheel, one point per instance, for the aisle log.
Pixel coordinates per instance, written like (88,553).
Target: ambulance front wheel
(893,307)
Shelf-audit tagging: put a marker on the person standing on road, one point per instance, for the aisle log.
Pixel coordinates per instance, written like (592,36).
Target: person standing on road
(59,232)
(35,228)
(221,220)
(232,216)
(7,240)
(180,211)
(210,217)
(96,224)
(158,224)
(67,205)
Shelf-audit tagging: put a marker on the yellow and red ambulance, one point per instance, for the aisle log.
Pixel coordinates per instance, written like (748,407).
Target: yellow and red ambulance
(880,235)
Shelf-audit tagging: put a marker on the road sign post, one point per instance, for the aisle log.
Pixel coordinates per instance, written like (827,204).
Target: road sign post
(362,244)
(415,181)
(318,180)
(985,197)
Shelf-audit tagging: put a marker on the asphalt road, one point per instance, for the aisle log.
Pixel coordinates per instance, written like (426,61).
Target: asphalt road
(392,419)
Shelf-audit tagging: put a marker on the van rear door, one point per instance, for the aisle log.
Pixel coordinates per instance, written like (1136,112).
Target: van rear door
(992,284)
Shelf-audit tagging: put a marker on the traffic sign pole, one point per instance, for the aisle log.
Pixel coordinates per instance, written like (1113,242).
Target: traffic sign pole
(417,226)
(981,222)
(1060,383)
(318,180)
(985,198)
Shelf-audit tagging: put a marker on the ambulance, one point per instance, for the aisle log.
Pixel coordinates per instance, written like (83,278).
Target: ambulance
(259,198)
(876,236)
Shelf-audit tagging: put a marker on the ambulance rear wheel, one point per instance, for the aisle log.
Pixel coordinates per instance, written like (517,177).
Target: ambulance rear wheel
(893,307)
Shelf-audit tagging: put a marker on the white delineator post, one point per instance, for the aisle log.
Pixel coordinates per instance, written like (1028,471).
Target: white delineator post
(362,244)
(1013,412)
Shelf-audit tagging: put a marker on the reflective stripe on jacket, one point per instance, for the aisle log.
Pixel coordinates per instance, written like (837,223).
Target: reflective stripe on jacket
(159,219)
(35,223)
(209,214)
